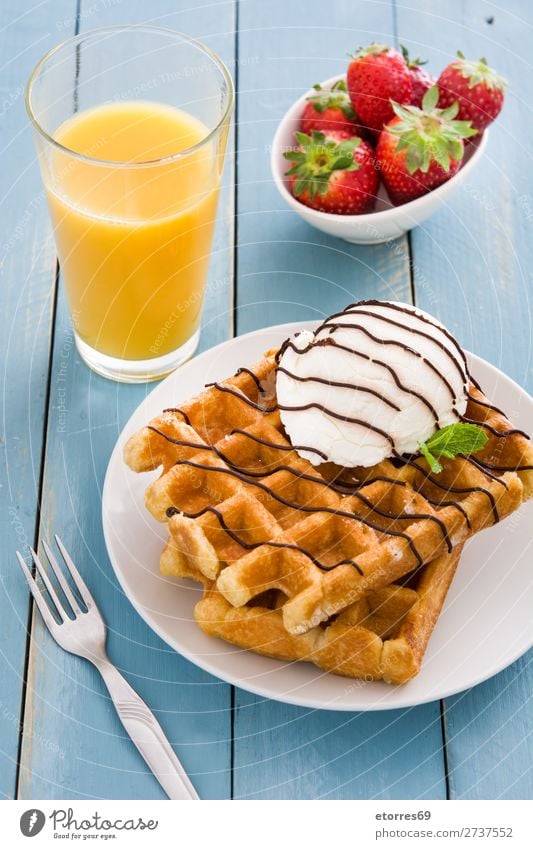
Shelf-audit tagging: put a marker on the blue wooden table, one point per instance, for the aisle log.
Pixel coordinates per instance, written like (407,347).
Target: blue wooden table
(59,735)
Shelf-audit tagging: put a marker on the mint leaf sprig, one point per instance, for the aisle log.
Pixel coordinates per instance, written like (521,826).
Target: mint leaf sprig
(450,441)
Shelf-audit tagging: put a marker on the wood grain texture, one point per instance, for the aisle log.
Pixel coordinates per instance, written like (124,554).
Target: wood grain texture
(66,700)
(27,270)
(472,268)
(289,271)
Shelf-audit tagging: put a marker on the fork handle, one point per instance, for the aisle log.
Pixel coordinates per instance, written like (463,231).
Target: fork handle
(147,734)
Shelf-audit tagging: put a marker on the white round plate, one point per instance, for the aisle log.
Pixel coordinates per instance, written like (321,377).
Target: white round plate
(486,622)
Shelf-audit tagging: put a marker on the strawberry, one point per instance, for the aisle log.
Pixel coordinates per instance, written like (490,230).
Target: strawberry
(477,89)
(421,148)
(375,75)
(329,110)
(420,79)
(333,173)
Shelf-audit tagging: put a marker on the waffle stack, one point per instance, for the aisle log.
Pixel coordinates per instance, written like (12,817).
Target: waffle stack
(347,568)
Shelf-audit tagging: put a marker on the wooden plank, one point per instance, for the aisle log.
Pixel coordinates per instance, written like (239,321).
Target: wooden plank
(288,271)
(27,271)
(66,699)
(471,266)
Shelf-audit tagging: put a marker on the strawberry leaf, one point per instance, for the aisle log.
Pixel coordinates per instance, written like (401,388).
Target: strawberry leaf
(401,111)
(429,134)
(450,113)
(294,155)
(372,50)
(479,73)
(430,99)
(411,63)
(318,158)
(334,98)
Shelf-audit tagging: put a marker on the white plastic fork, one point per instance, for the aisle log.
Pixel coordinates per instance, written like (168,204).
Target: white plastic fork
(85,635)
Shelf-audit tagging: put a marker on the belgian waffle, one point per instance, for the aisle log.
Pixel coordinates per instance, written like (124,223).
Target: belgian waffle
(249,513)
(382,636)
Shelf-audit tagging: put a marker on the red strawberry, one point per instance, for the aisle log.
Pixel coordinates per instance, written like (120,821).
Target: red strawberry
(333,173)
(421,148)
(477,89)
(375,75)
(329,110)
(420,79)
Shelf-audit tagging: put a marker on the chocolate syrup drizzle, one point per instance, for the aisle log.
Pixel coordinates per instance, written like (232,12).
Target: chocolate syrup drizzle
(339,384)
(395,343)
(504,468)
(180,411)
(269,444)
(244,370)
(249,546)
(379,317)
(498,433)
(340,486)
(334,344)
(448,488)
(495,410)
(423,318)
(479,465)
(342,417)
(301,507)
(242,397)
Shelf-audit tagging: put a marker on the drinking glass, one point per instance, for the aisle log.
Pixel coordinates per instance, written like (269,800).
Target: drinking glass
(131,125)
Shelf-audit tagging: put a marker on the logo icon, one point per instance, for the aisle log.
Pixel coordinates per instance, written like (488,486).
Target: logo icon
(32,822)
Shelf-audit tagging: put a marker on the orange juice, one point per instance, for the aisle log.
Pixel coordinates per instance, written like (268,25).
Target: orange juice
(134,239)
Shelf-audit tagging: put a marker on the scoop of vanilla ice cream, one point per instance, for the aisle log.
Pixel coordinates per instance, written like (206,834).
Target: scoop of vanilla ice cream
(370,383)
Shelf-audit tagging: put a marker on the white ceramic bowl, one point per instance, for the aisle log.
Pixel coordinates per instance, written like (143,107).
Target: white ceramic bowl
(386,222)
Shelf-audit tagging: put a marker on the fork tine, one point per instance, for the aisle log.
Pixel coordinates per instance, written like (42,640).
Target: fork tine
(48,584)
(37,595)
(76,577)
(61,579)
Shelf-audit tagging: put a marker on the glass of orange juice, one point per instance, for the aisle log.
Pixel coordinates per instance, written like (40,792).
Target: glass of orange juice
(131,126)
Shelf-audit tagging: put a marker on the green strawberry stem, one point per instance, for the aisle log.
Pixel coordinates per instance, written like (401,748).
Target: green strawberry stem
(479,71)
(372,50)
(411,63)
(337,97)
(316,160)
(430,134)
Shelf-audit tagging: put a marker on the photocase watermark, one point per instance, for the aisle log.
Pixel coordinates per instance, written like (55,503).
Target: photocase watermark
(176,314)
(164,78)
(30,733)
(10,99)
(479,196)
(61,380)
(32,822)
(525,205)
(65,820)
(18,233)
(18,527)
(66,824)
(399,248)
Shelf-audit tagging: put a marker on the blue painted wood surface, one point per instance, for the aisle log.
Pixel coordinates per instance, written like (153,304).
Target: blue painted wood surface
(472,268)
(27,272)
(468,265)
